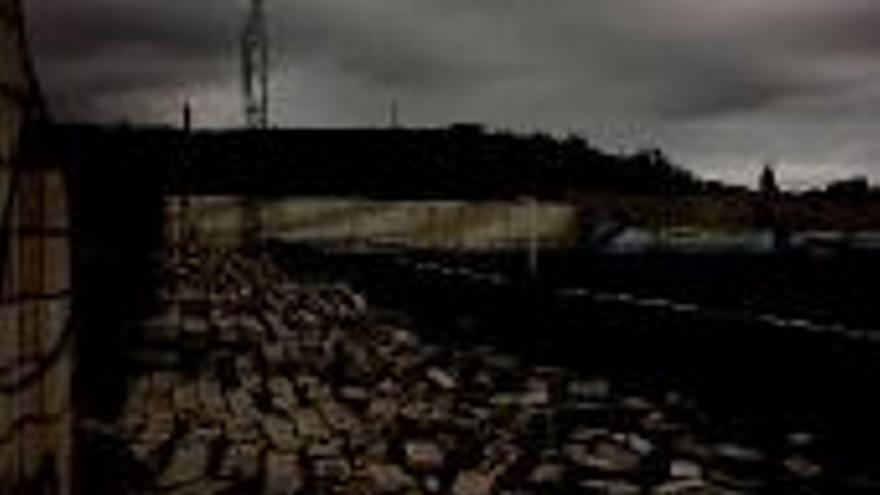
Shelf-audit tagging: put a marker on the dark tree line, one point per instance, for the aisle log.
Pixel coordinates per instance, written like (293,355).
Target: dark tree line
(461,162)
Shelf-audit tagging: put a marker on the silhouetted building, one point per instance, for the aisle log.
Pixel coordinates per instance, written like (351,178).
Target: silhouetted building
(855,188)
(769,209)
(768,186)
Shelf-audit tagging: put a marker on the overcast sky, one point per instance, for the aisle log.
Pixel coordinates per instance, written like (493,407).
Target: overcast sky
(722,85)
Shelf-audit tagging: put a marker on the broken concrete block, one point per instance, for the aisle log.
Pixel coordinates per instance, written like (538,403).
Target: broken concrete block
(354,394)
(801,467)
(431,484)
(610,487)
(338,416)
(273,353)
(309,424)
(382,409)
(185,398)
(614,458)
(284,474)
(441,378)
(211,400)
(604,456)
(188,463)
(639,444)
(738,453)
(473,482)
(684,487)
(281,433)
(242,406)
(201,487)
(158,430)
(684,468)
(283,396)
(534,398)
(332,468)
(241,461)
(547,474)
(423,455)
(389,478)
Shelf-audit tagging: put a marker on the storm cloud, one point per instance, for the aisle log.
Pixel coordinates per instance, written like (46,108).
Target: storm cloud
(722,86)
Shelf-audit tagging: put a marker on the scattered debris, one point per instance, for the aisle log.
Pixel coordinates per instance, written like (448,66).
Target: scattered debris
(320,396)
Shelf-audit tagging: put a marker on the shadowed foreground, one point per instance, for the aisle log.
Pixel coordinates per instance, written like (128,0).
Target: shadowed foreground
(282,387)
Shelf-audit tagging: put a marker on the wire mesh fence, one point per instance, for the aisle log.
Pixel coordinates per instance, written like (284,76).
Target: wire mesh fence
(35,296)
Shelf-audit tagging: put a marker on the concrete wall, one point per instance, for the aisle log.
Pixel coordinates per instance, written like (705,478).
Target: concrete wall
(416,224)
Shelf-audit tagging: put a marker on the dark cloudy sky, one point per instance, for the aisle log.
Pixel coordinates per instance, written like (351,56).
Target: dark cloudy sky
(721,85)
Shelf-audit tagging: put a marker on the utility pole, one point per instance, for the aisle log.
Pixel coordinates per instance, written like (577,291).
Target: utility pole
(255,67)
(187,116)
(395,116)
(533,236)
(255,95)
(531,205)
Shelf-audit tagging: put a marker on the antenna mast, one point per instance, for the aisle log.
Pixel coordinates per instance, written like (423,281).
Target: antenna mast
(255,67)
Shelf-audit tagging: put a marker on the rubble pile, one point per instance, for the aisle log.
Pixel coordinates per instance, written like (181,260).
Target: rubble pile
(304,390)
